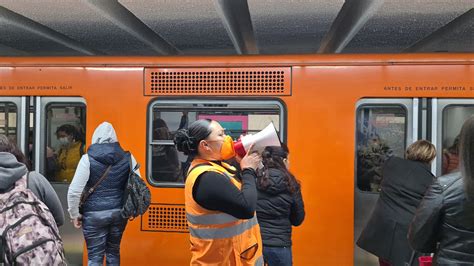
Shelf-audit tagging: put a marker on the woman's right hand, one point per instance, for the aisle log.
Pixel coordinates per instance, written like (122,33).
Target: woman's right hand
(77,222)
(251,160)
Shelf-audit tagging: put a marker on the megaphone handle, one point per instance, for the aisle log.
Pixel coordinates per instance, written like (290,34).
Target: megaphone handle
(239,149)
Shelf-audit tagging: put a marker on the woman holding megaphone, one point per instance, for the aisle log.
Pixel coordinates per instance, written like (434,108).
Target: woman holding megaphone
(220,202)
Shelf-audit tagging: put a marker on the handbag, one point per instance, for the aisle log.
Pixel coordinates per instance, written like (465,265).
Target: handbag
(136,195)
(424,259)
(87,192)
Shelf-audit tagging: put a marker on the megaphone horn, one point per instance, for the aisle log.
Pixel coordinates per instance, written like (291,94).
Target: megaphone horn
(266,137)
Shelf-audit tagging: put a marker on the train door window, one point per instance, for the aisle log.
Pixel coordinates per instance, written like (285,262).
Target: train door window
(453,118)
(65,139)
(8,120)
(381,133)
(166,165)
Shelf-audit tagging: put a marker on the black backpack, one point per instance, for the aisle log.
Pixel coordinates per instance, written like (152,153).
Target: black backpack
(137,196)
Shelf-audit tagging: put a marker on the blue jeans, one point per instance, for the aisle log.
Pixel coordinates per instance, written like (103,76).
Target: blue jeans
(278,256)
(103,232)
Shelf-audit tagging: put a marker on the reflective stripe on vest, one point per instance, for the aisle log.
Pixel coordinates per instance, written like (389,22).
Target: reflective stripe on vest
(226,232)
(259,261)
(217,218)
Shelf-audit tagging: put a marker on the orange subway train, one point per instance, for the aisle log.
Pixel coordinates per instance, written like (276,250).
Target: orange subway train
(341,116)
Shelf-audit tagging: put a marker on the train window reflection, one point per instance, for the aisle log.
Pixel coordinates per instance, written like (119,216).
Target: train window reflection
(166,163)
(65,140)
(8,117)
(381,133)
(453,119)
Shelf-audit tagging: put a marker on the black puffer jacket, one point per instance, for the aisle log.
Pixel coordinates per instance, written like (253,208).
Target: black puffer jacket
(445,216)
(278,210)
(109,193)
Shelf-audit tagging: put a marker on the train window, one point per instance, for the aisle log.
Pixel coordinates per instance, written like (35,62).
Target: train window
(65,140)
(453,119)
(8,117)
(381,133)
(166,165)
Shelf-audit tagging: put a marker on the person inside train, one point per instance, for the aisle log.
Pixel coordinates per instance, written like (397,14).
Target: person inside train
(444,221)
(166,166)
(403,186)
(451,157)
(14,165)
(106,165)
(62,164)
(183,123)
(279,206)
(218,199)
(371,158)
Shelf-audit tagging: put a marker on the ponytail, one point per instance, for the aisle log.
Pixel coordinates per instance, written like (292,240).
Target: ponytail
(272,157)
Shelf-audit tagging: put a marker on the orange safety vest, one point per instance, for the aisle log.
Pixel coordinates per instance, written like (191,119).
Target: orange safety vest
(218,238)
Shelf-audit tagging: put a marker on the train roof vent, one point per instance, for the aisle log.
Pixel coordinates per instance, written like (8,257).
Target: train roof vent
(165,218)
(218,81)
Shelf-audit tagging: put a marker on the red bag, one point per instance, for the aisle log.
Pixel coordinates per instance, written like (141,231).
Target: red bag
(425,260)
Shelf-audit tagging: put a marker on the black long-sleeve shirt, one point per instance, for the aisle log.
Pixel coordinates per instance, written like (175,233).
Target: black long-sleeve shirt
(216,192)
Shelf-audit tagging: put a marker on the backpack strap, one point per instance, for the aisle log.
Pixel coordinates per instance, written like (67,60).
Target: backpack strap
(27,178)
(130,163)
(82,149)
(7,189)
(19,182)
(2,249)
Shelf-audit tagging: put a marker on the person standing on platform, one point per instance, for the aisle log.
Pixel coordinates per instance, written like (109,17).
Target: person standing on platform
(404,182)
(450,161)
(444,221)
(105,166)
(279,206)
(220,202)
(36,182)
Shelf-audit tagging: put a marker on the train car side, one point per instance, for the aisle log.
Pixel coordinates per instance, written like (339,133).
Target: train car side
(320,128)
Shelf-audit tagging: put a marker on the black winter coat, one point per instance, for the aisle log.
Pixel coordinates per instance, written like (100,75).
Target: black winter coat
(403,186)
(278,210)
(444,223)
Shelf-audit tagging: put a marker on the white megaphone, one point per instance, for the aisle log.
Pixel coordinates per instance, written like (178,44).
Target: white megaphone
(267,137)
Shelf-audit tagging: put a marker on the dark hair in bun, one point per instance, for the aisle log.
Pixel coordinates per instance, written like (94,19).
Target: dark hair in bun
(187,140)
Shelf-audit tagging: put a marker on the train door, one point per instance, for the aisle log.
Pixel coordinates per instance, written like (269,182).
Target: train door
(56,158)
(13,122)
(448,118)
(384,127)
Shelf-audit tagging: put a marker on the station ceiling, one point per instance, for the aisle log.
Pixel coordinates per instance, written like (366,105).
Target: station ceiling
(229,27)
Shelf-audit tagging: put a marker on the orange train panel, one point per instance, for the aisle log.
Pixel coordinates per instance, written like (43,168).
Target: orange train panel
(218,81)
(165,218)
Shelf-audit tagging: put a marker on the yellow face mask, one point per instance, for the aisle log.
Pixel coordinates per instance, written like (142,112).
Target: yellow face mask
(227,149)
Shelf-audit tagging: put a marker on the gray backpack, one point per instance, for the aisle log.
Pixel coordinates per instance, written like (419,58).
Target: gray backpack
(136,197)
(28,232)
